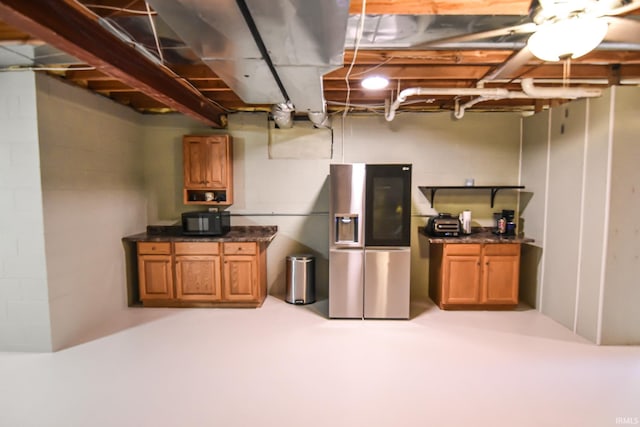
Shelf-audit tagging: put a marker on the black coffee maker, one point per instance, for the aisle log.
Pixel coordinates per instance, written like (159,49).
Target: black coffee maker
(505,224)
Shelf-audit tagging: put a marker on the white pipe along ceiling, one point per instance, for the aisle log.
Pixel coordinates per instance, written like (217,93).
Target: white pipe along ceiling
(529,91)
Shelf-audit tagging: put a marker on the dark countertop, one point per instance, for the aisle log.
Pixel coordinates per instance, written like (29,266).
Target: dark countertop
(478,236)
(252,233)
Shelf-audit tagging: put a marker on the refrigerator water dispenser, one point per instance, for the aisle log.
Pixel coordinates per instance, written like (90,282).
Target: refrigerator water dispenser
(346,226)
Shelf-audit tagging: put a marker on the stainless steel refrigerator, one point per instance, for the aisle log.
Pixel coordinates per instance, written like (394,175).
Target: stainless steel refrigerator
(369,241)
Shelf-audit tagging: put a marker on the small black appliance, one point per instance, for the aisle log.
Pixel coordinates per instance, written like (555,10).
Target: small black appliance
(206,223)
(443,225)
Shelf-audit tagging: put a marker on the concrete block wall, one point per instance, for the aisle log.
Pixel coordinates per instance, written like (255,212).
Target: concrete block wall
(91,155)
(24,307)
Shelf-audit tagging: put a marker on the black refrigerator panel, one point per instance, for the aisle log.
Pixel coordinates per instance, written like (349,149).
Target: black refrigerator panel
(388,205)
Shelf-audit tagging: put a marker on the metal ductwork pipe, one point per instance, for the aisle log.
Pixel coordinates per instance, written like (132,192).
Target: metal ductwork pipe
(320,119)
(283,115)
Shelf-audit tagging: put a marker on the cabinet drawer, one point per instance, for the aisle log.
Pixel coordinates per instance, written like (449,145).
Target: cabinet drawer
(502,249)
(462,248)
(197,248)
(240,248)
(149,248)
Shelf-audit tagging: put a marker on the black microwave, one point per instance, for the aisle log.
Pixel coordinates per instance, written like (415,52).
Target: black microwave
(206,223)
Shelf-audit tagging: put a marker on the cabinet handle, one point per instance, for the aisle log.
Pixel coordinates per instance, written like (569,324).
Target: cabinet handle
(486,263)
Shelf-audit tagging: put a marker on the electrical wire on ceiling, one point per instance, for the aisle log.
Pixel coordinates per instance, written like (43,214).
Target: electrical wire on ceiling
(124,36)
(36,65)
(31,68)
(368,70)
(155,33)
(355,55)
(118,9)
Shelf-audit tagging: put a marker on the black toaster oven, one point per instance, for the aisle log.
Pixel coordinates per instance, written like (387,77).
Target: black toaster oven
(443,225)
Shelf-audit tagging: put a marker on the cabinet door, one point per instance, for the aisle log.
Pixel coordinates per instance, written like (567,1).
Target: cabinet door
(240,278)
(500,279)
(198,278)
(155,277)
(461,279)
(216,176)
(195,157)
(205,162)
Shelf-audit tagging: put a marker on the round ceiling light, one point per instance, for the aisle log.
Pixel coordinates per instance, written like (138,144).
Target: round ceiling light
(570,38)
(375,82)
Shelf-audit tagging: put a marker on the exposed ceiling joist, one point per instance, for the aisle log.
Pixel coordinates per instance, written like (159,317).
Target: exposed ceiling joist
(450,7)
(71,28)
(403,40)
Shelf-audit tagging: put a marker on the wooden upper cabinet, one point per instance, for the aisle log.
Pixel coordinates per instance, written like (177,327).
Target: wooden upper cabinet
(208,168)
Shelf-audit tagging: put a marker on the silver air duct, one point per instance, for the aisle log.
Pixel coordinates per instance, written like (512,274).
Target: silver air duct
(283,115)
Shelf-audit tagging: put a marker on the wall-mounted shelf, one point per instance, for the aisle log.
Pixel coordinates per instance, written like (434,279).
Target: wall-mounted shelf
(431,190)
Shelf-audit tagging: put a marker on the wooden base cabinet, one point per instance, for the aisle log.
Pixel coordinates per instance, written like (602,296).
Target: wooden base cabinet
(197,271)
(474,275)
(241,276)
(202,274)
(155,269)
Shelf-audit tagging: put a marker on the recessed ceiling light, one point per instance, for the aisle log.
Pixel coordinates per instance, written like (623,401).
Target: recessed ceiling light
(375,82)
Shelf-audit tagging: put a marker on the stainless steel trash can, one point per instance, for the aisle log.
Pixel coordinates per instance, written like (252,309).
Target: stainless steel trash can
(301,274)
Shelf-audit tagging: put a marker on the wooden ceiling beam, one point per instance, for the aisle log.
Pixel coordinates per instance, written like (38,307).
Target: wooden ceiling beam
(73,29)
(109,86)
(9,34)
(113,8)
(441,7)
(431,57)
(86,75)
(330,85)
(476,57)
(195,71)
(409,72)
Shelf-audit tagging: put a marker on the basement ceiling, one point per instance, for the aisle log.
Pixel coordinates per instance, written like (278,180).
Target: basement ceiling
(201,58)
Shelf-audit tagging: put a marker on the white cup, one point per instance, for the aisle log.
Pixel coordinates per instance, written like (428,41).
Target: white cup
(208,196)
(465,219)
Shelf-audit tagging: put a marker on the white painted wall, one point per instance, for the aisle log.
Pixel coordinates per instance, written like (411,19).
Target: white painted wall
(590,257)
(621,293)
(292,193)
(594,208)
(534,168)
(24,308)
(108,172)
(92,179)
(562,240)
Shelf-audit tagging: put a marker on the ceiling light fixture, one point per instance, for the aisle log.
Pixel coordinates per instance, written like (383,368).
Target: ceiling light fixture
(569,38)
(375,82)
